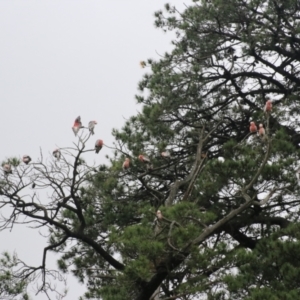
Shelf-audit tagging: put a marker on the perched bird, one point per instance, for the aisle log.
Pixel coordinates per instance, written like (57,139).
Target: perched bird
(166,154)
(98,145)
(142,64)
(33,185)
(26,159)
(92,126)
(261,131)
(252,127)
(157,222)
(144,159)
(57,154)
(126,164)
(77,125)
(159,215)
(7,169)
(268,106)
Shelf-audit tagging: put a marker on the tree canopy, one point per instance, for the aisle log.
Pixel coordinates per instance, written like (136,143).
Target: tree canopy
(229,198)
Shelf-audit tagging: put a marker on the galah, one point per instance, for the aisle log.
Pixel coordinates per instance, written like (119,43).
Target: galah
(252,127)
(92,126)
(57,154)
(166,154)
(268,106)
(126,164)
(7,169)
(157,222)
(77,125)
(159,215)
(261,130)
(26,159)
(98,145)
(144,159)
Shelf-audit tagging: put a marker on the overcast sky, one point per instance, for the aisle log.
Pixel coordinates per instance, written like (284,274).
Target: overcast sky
(60,59)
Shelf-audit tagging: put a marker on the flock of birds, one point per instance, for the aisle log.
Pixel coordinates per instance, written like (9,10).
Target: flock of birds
(7,169)
(76,127)
(144,159)
(261,130)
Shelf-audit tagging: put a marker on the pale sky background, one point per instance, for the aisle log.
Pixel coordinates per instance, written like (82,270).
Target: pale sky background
(60,59)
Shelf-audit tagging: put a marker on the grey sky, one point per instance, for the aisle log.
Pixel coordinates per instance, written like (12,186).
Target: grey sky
(60,59)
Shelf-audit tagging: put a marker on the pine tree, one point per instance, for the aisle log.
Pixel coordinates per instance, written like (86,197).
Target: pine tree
(228,198)
(12,283)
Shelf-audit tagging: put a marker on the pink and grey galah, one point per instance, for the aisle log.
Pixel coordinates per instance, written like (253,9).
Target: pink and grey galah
(98,145)
(57,154)
(268,106)
(144,159)
(7,169)
(126,164)
(92,126)
(77,125)
(26,159)
(252,127)
(159,215)
(261,131)
(166,154)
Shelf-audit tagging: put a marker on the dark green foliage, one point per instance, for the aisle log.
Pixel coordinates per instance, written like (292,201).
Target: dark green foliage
(11,287)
